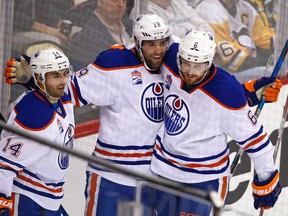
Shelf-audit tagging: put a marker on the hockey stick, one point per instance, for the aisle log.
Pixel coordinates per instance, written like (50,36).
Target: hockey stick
(279,138)
(2,119)
(281,129)
(274,74)
(261,104)
(63,211)
(210,196)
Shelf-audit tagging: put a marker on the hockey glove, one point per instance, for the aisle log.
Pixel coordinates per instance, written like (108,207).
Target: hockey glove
(266,193)
(6,205)
(267,88)
(17,70)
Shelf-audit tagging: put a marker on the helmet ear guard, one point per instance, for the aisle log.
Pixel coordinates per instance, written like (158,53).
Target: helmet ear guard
(197,47)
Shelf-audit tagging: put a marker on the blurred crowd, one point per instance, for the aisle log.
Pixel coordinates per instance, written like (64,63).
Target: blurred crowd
(244,30)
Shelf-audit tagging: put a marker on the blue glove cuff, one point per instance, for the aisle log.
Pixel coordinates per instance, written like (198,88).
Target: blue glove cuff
(251,97)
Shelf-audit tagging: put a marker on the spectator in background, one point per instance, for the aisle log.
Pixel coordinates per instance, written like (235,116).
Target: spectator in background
(243,40)
(179,16)
(38,20)
(107,26)
(266,10)
(36,25)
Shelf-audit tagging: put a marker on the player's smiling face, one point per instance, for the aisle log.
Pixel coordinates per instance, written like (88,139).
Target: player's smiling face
(192,72)
(154,52)
(55,83)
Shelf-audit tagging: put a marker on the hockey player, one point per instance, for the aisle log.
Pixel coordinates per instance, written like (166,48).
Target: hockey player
(128,86)
(203,105)
(32,174)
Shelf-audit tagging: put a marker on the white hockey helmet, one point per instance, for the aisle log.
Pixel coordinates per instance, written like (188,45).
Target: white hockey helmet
(149,26)
(48,60)
(197,47)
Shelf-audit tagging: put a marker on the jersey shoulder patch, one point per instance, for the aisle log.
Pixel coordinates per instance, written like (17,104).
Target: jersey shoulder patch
(33,113)
(226,90)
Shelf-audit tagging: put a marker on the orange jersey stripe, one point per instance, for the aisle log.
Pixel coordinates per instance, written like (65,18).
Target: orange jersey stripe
(255,141)
(59,190)
(92,192)
(106,153)
(198,165)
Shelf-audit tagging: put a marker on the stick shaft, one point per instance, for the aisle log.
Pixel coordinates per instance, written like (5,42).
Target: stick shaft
(281,129)
(274,74)
(261,104)
(279,139)
(205,195)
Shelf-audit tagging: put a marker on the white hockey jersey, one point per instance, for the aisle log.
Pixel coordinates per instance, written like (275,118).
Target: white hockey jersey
(191,146)
(38,170)
(131,110)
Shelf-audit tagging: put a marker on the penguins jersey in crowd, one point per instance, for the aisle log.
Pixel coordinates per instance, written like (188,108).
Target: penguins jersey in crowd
(238,34)
(191,146)
(131,110)
(38,170)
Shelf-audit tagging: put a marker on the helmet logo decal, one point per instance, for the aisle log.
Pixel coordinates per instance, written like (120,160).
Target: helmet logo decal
(146,34)
(195,46)
(152,102)
(176,115)
(37,54)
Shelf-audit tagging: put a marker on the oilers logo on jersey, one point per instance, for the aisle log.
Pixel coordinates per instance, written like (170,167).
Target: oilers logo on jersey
(152,102)
(63,157)
(176,115)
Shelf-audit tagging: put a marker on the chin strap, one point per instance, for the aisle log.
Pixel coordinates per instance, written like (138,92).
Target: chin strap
(45,91)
